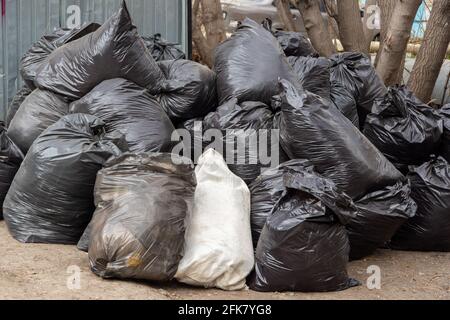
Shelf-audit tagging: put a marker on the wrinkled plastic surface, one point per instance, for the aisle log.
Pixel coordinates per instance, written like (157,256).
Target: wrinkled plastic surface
(379,216)
(161,49)
(266,191)
(242,124)
(248,65)
(313,74)
(445,143)
(189,91)
(40,50)
(10,159)
(313,129)
(218,250)
(51,197)
(344,101)
(138,228)
(403,128)
(295,44)
(20,97)
(115,50)
(39,111)
(355,72)
(429,229)
(125,107)
(304,246)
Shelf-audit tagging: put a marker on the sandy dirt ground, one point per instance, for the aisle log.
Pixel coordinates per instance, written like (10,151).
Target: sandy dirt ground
(43,271)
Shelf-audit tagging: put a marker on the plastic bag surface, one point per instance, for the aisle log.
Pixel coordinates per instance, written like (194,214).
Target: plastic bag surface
(137,231)
(218,251)
(51,197)
(115,50)
(127,108)
(189,91)
(313,129)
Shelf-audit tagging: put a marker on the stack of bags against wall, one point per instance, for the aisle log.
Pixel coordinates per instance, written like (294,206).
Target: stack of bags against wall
(125,92)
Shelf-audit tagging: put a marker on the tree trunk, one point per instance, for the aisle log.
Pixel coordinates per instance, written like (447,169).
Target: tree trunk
(387,8)
(333,27)
(351,29)
(208,29)
(315,26)
(397,37)
(432,52)
(284,11)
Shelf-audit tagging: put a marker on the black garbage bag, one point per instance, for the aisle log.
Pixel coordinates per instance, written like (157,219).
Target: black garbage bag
(115,50)
(429,229)
(248,65)
(10,159)
(20,97)
(295,44)
(40,50)
(189,91)
(51,197)
(267,190)
(125,107)
(343,99)
(313,129)
(39,111)
(138,228)
(245,128)
(403,128)
(380,215)
(191,132)
(161,49)
(445,143)
(313,74)
(304,246)
(355,71)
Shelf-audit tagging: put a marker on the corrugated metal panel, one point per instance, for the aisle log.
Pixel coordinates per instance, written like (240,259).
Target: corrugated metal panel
(25,21)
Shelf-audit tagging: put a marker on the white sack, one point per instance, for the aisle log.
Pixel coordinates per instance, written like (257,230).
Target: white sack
(218,248)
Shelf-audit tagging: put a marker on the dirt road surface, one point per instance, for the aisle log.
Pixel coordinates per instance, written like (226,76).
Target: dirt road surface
(29,271)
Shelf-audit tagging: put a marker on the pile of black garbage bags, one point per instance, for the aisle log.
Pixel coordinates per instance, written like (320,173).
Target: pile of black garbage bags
(99,146)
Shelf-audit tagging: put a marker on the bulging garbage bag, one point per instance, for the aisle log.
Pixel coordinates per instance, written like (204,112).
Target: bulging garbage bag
(189,91)
(126,107)
(40,50)
(313,74)
(344,101)
(246,129)
(295,44)
(248,65)
(445,143)
(138,229)
(10,159)
(304,246)
(403,128)
(20,97)
(266,191)
(429,229)
(313,129)
(51,197)
(161,49)
(39,111)
(355,71)
(380,215)
(218,250)
(115,50)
